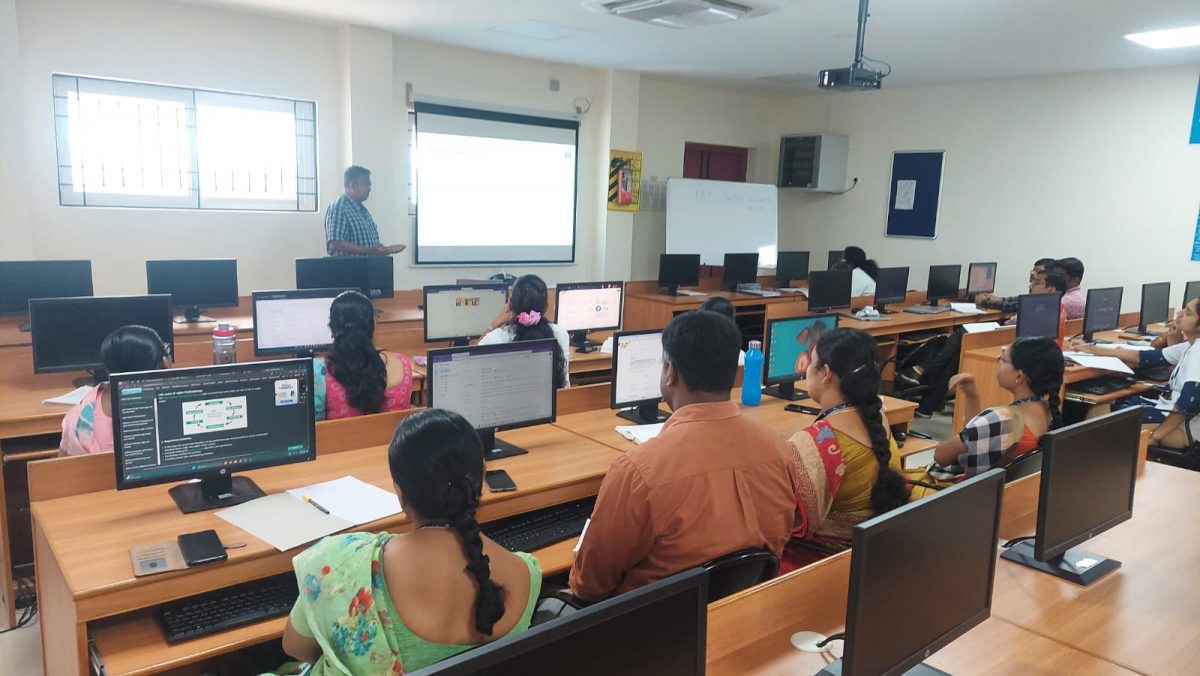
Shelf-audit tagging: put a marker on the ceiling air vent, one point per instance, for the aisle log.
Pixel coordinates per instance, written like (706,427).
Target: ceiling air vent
(678,13)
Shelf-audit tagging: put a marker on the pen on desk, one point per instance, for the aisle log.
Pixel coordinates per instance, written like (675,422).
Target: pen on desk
(314,503)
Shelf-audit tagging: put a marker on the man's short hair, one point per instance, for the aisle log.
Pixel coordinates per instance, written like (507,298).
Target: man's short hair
(1071,267)
(722,306)
(1055,280)
(353,174)
(1044,263)
(703,347)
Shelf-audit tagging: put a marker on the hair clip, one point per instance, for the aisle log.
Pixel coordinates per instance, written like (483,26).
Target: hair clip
(858,369)
(529,318)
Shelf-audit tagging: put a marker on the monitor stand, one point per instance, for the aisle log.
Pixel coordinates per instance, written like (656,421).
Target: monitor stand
(644,414)
(215,491)
(581,344)
(881,308)
(786,391)
(1074,565)
(494,449)
(922,669)
(191,315)
(94,377)
(459,342)
(673,290)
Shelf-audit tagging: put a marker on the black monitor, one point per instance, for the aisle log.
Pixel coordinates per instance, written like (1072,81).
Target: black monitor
(829,289)
(292,322)
(371,275)
(1156,302)
(943,282)
(580,307)
(68,332)
(981,278)
(676,270)
(947,541)
(790,346)
(1038,314)
(460,312)
(495,387)
(195,284)
(22,280)
(207,422)
(835,257)
(891,286)
(1102,312)
(740,268)
(637,366)
(1190,291)
(1088,474)
(791,266)
(660,629)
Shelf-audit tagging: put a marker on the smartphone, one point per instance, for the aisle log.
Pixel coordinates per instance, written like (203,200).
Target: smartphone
(201,547)
(797,408)
(498,481)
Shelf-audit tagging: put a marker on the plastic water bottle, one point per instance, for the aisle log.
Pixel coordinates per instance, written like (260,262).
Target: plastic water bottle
(752,375)
(224,344)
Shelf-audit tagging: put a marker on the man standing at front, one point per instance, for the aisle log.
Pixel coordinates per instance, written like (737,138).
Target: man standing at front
(349,228)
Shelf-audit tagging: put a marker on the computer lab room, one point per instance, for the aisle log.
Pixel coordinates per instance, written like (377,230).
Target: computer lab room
(651,337)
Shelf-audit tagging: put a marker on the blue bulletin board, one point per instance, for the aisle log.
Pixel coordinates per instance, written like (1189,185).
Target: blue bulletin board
(915,193)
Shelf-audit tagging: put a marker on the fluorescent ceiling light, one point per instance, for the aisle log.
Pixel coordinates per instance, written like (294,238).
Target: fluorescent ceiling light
(1168,39)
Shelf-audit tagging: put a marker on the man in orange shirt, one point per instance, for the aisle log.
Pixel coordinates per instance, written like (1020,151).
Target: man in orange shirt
(711,483)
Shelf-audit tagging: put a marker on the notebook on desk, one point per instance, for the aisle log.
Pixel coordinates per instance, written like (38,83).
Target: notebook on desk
(928,309)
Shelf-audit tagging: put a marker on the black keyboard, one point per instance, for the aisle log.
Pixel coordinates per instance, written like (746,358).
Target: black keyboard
(227,608)
(534,530)
(1161,373)
(1101,385)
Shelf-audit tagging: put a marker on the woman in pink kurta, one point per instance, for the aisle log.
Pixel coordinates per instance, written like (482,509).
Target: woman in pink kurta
(355,377)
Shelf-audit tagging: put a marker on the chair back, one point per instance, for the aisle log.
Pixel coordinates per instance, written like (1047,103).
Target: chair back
(740,570)
(1023,466)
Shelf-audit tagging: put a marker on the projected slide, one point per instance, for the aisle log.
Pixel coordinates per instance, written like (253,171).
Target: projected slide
(214,415)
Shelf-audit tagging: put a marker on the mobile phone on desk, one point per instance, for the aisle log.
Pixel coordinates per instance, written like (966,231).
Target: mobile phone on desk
(498,481)
(201,547)
(797,408)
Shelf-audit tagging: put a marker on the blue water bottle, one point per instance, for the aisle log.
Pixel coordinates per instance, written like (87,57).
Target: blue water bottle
(752,375)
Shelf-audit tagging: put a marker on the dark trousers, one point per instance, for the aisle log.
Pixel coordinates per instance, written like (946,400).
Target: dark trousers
(938,370)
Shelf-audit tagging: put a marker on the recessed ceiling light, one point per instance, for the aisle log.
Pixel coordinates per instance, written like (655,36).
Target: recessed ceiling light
(1168,39)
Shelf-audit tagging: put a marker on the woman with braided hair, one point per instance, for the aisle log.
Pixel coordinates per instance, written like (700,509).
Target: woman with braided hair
(846,462)
(355,377)
(378,603)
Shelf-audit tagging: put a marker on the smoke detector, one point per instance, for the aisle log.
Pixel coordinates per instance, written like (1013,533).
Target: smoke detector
(678,13)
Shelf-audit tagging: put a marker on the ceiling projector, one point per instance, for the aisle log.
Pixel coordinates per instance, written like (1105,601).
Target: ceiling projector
(857,76)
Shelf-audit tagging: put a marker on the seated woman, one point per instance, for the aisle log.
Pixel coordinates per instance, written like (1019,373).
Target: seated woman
(87,427)
(378,603)
(1031,369)
(864,271)
(846,462)
(1166,416)
(355,377)
(524,318)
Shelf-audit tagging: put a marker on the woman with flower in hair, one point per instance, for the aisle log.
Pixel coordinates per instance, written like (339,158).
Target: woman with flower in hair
(524,318)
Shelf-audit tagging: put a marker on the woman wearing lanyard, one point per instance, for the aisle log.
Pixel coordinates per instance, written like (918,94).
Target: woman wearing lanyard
(1167,414)
(846,462)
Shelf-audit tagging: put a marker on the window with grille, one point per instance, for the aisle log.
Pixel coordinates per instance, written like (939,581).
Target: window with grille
(129,144)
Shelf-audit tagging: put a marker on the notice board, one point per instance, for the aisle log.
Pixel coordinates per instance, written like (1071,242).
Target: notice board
(915,193)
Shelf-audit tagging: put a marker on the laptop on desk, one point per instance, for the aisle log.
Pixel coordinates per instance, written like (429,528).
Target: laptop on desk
(928,309)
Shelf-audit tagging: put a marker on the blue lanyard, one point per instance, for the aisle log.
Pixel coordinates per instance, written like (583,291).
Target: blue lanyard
(1026,400)
(833,409)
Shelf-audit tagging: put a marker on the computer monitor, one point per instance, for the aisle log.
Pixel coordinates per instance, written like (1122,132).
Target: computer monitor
(67,332)
(790,348)
(947,540)
(789,267)
(637,367)
(580,307)
(1190,291)
(460,312)
(828,289)
(676,270)
(891,286)
(22,280)
(740,268)
(371,275)
(207,422)
(292,322)
(1156,301)
(495,387)
(1102,312)
(981,278)
(835,257)
(660,629)
(1088,474)
(1038,314)
(943,282)
(195,284)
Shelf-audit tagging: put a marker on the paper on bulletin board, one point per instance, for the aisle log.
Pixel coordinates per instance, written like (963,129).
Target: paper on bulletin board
(624,180)
(906,194)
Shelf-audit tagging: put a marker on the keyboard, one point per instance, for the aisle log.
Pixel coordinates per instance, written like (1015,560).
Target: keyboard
(223,609)
(1101,385)
(534,530)
(928,309)
(1160,373)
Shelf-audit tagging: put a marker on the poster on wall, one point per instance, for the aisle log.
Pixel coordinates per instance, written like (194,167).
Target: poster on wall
(1196,240)
(624,180)
(916,187)
(1196,119)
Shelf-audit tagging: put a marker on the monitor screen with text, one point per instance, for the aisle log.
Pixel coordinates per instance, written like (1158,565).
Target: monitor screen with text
(455,311)
(589,306)
(637,368)
(286,322)
(495,386)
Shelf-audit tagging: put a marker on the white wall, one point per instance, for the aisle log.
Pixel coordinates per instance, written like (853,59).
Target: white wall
(16,236)
(1095,166)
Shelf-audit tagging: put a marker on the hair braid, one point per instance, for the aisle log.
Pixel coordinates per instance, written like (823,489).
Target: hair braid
(1041,360)
(489,600)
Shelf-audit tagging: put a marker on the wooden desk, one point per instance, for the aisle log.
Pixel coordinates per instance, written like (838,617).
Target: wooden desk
(85,581)
(655,310)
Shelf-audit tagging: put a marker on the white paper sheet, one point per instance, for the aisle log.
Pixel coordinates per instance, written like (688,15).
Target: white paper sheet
(283,521)
(967,308)
(686,292)
(351,499)
(639,433)
(607,347)
(906,194)
(1097,362)
(70,398)
(981,327)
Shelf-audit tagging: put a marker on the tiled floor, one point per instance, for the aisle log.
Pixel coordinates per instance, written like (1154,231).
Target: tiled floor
(20,652)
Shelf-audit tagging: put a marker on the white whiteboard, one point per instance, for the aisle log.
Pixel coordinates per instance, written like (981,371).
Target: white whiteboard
(713,218)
